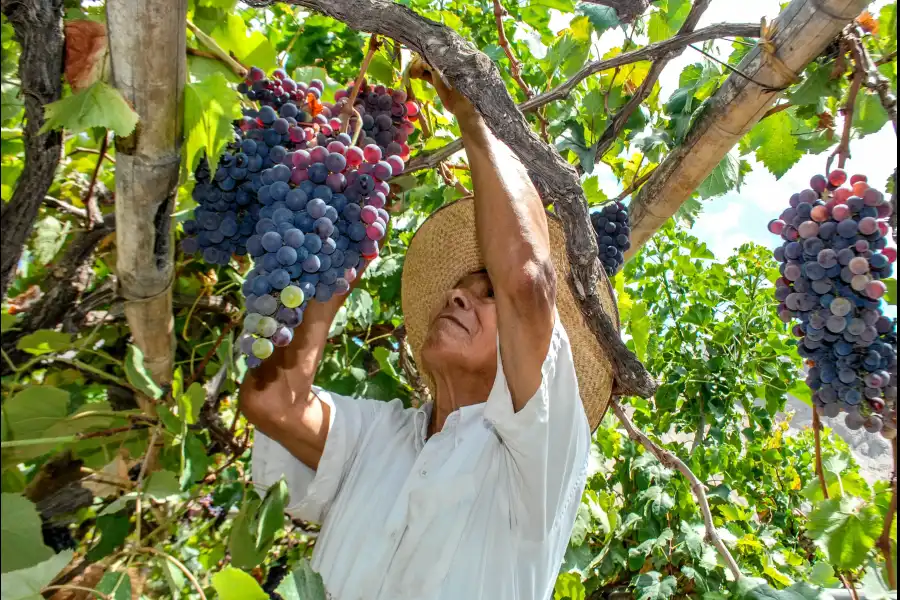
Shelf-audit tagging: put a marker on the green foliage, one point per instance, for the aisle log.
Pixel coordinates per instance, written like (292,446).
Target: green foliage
(20,529)
(210,107)
(99,105)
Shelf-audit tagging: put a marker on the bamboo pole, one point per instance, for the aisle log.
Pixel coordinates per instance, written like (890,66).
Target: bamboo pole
(797,37)
(147,41)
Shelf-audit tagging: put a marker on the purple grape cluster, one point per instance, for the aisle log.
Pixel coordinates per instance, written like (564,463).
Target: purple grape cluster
(834,260)
(301,197)
(387,117)
(613,230)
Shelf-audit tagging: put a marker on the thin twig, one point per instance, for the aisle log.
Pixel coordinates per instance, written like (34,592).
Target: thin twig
(77,588)
(199,370)
(220,53)
(348,107)
(95,217)
(201,53)
(874,80)
(889,57)
(515,67)
(179,565)
(452,181)
(80,150)
(817,437)
(635,185)
(777,109)
(65,207)
(650,52)
(673,462)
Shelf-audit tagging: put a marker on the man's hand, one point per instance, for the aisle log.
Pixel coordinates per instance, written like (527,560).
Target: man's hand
(452,100)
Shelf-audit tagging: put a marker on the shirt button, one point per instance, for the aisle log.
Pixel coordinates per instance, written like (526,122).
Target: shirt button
(423,473)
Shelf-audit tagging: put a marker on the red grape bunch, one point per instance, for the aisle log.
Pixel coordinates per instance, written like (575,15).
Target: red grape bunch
(834,261)
(301,197)
(613,229)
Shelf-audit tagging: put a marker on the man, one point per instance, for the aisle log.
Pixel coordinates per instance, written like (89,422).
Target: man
(474,495)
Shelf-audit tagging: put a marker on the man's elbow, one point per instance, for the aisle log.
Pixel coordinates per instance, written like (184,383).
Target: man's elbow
(533,285)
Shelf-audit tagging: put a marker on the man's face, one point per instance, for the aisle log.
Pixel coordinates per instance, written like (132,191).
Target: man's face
(463,331)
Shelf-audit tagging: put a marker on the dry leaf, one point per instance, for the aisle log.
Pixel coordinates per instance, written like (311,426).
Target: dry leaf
(103,484)
(85,52)
(25,300)
(868,22)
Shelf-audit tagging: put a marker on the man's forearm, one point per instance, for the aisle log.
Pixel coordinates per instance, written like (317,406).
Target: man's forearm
(512,226)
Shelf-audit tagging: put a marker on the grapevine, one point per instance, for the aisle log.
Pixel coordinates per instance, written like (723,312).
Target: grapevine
(613,229)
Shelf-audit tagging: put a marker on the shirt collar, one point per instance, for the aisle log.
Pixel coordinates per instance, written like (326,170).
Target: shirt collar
(456,422)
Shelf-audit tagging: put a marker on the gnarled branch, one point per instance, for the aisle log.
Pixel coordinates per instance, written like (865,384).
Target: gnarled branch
(38,28)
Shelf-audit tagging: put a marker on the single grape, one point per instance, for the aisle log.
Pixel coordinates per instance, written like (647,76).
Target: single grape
(262,348)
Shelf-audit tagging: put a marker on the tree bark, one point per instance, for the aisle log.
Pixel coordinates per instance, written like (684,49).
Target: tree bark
(38,28)
(475,76)
(147,41)
(801,32)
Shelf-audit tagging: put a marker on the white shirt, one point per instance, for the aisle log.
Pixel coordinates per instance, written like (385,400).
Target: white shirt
(483,510)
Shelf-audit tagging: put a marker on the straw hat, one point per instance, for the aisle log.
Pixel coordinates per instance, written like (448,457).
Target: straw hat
(444,250)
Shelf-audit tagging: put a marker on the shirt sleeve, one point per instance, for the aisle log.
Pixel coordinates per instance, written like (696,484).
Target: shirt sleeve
(312,493)
(547,442)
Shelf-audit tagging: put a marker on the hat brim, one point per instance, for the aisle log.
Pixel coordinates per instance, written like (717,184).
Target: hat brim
(445,249)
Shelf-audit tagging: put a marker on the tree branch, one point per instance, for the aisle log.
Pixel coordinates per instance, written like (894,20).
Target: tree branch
(217,51)
(671,461)
(38,28)
(65,207)
(874,80)
(475,76)
(650,52)
(617,123)
(515,67)
(842,152)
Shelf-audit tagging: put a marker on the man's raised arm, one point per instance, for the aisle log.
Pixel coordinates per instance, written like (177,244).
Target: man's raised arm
(512,233)
(276,396)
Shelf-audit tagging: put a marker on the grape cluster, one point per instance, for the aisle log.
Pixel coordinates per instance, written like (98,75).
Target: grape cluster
(613,229)
(274,576)
(834,260)
(58,537)
(304,199)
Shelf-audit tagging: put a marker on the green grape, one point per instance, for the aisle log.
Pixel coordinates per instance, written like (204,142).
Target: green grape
(267,326)
(251,322)
(263,348)
(292,296)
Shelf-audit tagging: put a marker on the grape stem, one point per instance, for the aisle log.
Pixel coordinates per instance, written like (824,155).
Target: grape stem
(218,51)
(515,67)
(374,44)
(669,460)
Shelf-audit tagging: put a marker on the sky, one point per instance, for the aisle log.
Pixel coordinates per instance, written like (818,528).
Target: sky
(741,216)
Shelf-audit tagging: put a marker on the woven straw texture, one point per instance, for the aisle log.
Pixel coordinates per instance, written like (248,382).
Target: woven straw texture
(445,249)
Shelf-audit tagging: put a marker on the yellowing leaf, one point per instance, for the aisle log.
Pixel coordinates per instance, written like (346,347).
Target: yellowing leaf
(100,105)
(250,48)
(234,584)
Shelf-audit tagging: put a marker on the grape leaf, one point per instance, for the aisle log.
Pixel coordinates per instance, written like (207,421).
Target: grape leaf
(210,106)
(725,177)
(592,191)
(242,542)
(302,584)
(99,105)
(384,356)
(26,584)
(196,462)
(191,402)
(161,484)
(869,115)
(822,574)
(271,515)
(890,296)
(34,410)
(601,17)
(652,586)
(20,530)
(137,374)
(116,585)
(49,236)
(639,326)
(568,587)
(253,49)
(234,584)
(777,147)
(846,529)
(658,28)
(113,530)
(44,341)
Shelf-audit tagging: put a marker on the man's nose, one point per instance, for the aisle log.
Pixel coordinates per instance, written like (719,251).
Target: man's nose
(459,299)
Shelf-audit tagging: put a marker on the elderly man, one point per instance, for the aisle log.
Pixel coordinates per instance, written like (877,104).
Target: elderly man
(475,494)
